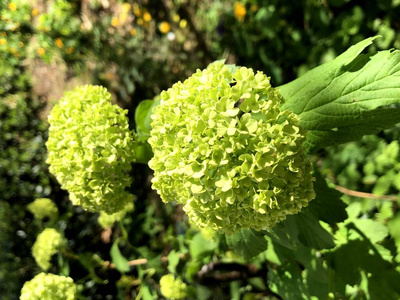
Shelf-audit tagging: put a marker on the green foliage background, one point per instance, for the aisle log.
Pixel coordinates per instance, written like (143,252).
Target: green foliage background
(282,38)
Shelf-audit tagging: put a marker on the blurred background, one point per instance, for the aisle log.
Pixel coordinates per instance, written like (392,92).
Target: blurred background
(137,49)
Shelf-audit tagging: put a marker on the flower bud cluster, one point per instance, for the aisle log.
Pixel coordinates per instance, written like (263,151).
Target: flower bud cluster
(47,243)
(172,288)
(225,150)
(49,287)
(43,208)
(90,149)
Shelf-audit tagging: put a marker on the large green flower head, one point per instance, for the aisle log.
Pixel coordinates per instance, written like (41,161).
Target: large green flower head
(43,208)
(47,243)
(90,149)
(49,287)
(172,288)
(224,149)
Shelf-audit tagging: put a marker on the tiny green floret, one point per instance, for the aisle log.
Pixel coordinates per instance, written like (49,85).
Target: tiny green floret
(172,288)
(47,243)
(49,287)
(90,149)
(225,150)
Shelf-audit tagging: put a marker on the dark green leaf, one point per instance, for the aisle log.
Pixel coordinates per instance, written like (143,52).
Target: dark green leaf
(288,282)
(285,233)
(247,243)
(344,99)
(384,286)
(311,233)
(327,205)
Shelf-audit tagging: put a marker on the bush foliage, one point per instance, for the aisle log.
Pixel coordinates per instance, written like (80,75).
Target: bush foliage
(344,245)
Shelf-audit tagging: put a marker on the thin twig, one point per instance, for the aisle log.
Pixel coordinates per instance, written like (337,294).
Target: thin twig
(365,195)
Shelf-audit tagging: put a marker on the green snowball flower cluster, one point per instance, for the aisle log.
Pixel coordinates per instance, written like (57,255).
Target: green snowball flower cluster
(224,149)
(90,149)
(106,220)
(47,243)
(172,288)
(43,208)
(49,287)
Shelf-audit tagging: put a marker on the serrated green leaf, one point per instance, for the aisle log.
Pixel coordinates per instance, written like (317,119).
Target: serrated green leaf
(288,282)
(285,233)
(120,262)
(351,96)
(373,230)
(247,243)
(327,205)
(384,286)
(311,233)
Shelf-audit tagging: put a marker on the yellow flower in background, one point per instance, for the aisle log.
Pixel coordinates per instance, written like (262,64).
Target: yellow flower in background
(41,51)
(70,50)
(146,17)
(4,33)
(136,10)
(126,7)
(59,43)
(176,18)
(114,22)
(12,6)
(20,44)
(254,7)
(183,23)
(3,41)
(240,11)
(164,27)
(35,12)
(133,32)
(140,21)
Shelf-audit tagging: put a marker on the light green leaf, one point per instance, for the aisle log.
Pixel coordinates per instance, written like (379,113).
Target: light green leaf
(247,243)
(200,247)
(120,262)
(351,96)
(173,261)
(143,118)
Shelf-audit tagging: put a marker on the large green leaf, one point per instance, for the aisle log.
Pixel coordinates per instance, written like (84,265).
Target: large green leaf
(311,233)
(247,243)
(351,96)
(327,205)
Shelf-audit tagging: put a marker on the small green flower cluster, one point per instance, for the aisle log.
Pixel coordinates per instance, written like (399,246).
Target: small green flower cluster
(224,149)
(47,243)
(49,287)
(106,220)
(172,288)
(42,208)
(90,149)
